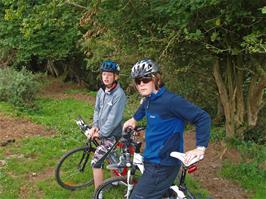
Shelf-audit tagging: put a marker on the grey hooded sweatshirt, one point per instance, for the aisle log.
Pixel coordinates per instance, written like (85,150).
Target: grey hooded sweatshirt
(108,112)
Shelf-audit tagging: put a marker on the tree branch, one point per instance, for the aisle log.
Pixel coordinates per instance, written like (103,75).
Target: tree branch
(76,5)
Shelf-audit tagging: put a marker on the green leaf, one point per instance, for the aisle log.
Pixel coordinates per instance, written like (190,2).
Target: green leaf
(263,10)
(214,36)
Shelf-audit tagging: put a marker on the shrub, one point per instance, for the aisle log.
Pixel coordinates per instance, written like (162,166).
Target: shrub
(18,87)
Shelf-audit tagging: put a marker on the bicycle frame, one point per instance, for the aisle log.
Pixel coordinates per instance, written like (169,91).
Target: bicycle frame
(180,190)
(84,127)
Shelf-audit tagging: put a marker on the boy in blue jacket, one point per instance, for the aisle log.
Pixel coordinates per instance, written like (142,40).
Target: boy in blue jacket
(166,115)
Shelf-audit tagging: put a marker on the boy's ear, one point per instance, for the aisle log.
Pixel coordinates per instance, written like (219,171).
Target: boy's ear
(116,77)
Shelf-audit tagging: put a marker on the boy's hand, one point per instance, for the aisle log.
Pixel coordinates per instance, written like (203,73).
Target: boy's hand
(130,123)
(90,133)
(96,135)
(197,153)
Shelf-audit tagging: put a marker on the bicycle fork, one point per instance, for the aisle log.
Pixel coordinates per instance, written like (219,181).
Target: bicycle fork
(130,184)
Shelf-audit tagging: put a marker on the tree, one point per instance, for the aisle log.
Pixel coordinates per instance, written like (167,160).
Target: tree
(46,31)
(222,38)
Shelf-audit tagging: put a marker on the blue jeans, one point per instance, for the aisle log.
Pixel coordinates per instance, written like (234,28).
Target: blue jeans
(155,181)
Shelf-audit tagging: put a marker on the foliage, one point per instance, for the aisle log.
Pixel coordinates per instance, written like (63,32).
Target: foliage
(187,37)
(18,87)
(43,29)
(258,134)
(217,134)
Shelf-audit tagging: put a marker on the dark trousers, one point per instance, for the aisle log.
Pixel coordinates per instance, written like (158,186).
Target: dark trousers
(155,181)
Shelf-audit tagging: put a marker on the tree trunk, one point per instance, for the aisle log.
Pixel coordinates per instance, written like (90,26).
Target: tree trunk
(239,116)
(220,112)
(225,100)
(255,98)
(240,103)
(50,67)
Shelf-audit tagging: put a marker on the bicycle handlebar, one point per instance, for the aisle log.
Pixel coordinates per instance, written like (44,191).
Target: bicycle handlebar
(80,122)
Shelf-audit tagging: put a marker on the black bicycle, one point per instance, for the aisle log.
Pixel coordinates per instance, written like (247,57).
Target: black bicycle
(73,170)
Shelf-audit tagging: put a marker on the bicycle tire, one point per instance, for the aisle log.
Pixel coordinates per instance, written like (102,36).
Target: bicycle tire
(115,187)
(189,195)
(68,171)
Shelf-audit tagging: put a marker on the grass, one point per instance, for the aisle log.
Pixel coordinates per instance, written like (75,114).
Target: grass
(251,172)
(40,154)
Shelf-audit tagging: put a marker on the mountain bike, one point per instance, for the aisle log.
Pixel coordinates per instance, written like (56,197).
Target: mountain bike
(73,171)
(122,186)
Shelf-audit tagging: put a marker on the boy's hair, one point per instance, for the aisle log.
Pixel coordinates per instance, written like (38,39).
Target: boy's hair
(157,80)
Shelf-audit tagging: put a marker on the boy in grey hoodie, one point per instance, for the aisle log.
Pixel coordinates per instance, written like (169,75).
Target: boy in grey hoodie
(108,114)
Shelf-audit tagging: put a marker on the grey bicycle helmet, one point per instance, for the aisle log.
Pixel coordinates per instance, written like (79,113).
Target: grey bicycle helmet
(144,68)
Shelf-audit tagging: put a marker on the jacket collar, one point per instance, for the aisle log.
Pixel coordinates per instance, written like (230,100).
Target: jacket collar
(115,86)
(154,96)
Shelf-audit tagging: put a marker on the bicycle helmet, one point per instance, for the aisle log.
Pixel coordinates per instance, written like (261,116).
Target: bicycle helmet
(144,68)
(109,66)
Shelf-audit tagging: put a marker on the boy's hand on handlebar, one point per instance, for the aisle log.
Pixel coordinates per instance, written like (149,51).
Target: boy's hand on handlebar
(95,135)
(197,153)
(91,132)
(131,123)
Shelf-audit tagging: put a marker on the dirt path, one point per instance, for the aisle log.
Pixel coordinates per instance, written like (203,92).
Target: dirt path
(208,169)
(207,174)
(12,129)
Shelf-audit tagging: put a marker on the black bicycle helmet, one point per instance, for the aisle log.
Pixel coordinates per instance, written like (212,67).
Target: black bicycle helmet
(109,66)
(144,68)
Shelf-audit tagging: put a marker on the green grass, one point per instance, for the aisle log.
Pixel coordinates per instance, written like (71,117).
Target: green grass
(40,154)
(251,173)
(35,155)
(195,188)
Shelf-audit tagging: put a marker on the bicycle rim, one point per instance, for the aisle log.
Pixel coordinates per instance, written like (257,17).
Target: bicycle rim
(73,171)
(112,188)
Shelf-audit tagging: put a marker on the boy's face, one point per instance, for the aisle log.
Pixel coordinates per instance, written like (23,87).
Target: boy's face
(145,86)
(108,78)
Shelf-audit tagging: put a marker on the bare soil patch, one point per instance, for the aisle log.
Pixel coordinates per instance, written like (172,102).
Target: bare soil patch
(13,128)
(208,170)
(56,90)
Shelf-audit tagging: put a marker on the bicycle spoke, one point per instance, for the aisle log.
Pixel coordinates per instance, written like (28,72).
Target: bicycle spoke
(74,170)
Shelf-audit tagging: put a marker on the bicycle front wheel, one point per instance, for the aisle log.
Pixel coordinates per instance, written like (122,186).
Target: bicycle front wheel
(112,188)
(73,170)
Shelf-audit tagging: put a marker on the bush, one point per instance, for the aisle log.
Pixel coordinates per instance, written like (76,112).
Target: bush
(18,87)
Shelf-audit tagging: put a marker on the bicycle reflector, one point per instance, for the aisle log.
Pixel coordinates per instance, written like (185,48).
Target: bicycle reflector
(192,168)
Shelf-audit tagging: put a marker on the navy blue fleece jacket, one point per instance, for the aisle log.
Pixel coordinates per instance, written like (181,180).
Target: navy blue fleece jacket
(166,115)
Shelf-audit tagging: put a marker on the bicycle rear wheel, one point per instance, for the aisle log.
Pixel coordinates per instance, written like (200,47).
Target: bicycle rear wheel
(73,170)
(112,188)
